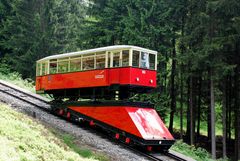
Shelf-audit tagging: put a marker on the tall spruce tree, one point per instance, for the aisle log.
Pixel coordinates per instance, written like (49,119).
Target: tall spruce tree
(38,28)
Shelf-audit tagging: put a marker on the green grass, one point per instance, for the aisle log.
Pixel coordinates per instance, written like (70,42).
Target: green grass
(16,78)
(198,154)
(23,139)
(72,143)
(203,124)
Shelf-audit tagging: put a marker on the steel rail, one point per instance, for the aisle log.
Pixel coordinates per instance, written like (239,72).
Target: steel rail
(145,154)
(23,97)
(23,92)
(175,157)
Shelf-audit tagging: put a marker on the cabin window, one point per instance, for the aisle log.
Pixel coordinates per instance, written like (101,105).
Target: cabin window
(100,61)
(53,66)
(152,60)
(135,58)
(125,58)
(47,67)
(109,59)
(38,69)
(75,64)
(62,66)
(116,59)
(88,62)
(44,68)
(144,63)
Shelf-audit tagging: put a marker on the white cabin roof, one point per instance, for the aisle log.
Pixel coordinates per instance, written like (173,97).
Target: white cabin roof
(108,48)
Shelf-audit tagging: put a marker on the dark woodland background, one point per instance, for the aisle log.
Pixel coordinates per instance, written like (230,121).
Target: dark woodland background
(198,44)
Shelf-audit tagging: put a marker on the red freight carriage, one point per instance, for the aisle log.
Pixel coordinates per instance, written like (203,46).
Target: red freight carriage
(99,72)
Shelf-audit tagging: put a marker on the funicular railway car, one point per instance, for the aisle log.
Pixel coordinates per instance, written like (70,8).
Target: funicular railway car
(108,76)
(98,72)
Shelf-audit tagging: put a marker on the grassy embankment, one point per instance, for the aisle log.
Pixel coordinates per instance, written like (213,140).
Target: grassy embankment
(66,141)
(24,139)
(196,153)
(16,79)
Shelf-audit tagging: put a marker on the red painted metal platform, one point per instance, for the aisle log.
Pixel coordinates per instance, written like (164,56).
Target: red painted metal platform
(144,123)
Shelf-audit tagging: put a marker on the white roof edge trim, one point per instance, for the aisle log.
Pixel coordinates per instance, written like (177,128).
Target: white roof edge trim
(114,47)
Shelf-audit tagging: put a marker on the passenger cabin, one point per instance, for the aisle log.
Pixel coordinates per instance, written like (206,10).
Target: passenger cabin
(121,65)
(106,57)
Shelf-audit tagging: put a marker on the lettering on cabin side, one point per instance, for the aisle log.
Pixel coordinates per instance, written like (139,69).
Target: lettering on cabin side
(99,76)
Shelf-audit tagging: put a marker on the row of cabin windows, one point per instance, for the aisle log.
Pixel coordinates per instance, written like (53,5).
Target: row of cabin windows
(97,61)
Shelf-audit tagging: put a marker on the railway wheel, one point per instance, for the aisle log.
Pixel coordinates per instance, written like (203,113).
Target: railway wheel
(149,148)
(68,115)
(61,112)
(117,136)
(127,140)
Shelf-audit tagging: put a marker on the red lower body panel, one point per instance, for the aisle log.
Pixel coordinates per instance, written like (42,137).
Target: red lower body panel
(97,78)
(141,122)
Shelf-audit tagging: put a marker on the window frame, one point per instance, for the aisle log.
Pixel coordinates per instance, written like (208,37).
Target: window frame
(45,68)
(38,69)
(130,57)
(110,53)
(106,59)
(60,60)
(119,61)
(55,61)
(79,57)
(128,64)
(103,54)
(139,58)
(87,56)
(155,61)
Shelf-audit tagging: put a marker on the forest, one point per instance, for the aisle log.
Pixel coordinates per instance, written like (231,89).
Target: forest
(198,44)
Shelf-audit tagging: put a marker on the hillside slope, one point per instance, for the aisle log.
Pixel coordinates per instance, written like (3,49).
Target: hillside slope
(23,139)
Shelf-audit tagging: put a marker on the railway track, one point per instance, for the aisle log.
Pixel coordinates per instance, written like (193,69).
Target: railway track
(167,156)
(43,104)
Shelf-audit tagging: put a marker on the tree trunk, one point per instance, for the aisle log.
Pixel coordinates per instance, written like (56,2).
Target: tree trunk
(165,74)
(181,77)
(199,105)
(213,138)
(227,108)
(236,103)
(181,103)
(237,115)
(224,98)
(229,113)
(209,107)
(173,94)
(188,111)
(192,122)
